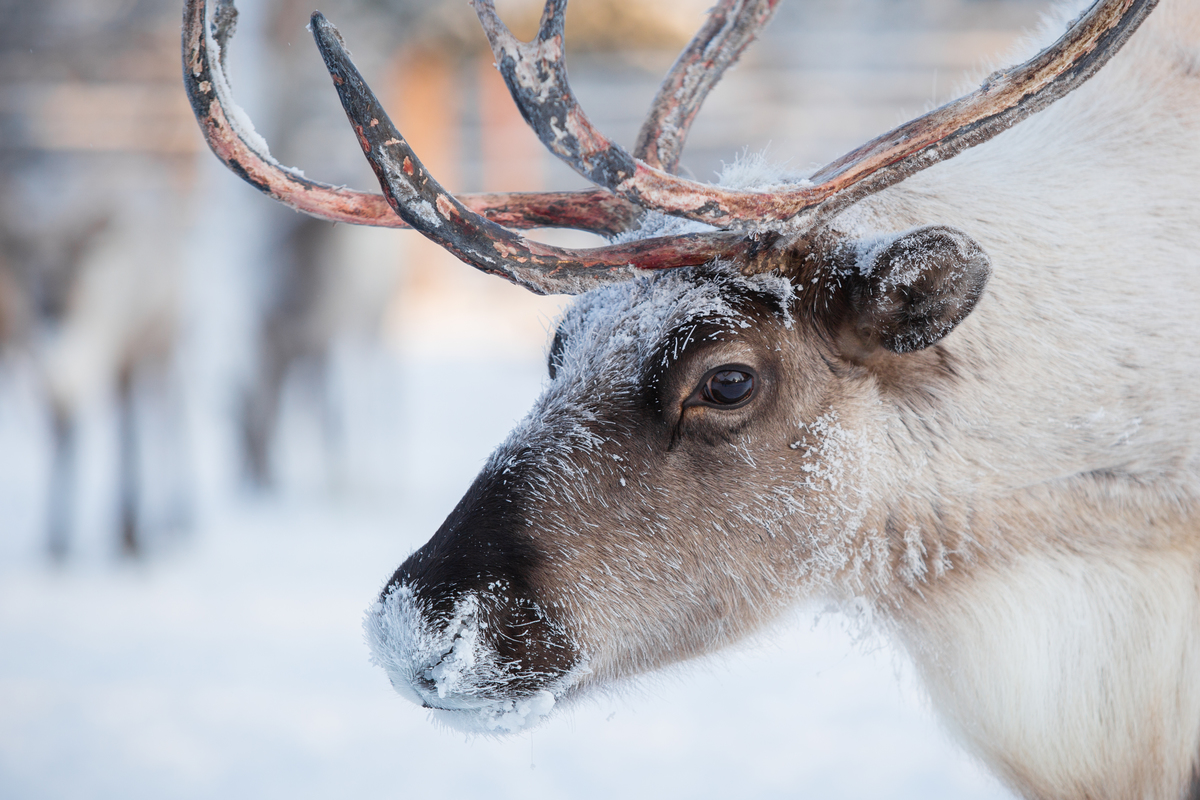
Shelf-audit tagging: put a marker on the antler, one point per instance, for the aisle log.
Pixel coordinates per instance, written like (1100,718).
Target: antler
(731,26)
(426,206)
(536,77)
(232,138)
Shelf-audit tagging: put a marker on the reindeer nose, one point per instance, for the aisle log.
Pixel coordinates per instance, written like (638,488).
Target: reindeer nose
(508,636)
(491,658)
(462,626)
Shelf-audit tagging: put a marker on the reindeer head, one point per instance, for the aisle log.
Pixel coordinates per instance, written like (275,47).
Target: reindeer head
(705,448)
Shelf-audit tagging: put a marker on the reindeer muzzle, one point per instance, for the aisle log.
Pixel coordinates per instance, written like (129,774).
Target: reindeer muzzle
(486,661)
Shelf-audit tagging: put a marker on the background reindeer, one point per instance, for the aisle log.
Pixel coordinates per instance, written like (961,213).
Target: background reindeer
(649,510)
(313,287)
(91,221)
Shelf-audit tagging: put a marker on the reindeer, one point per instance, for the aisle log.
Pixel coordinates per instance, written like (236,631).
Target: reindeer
(946,378)
(91,170)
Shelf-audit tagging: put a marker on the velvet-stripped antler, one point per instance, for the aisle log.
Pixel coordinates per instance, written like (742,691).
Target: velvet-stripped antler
(731,26)
(467,225)
(536,76)
(426,206)
(232,138)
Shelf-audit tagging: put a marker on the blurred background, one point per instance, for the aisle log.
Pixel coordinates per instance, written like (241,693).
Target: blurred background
(223,424)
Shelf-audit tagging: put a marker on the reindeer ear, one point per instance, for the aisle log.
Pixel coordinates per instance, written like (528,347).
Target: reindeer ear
(908,293)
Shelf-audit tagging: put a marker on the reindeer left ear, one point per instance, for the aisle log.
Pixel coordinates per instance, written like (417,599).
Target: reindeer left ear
(909,293)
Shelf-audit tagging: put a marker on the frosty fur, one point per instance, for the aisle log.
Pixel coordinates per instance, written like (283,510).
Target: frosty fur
(1016,505)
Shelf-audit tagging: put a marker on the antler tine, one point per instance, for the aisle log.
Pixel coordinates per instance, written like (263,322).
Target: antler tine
(731,26)
(232,138)
(536,77)
(427,207)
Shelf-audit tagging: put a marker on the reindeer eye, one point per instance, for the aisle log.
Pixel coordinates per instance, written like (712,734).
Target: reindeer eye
(728,387)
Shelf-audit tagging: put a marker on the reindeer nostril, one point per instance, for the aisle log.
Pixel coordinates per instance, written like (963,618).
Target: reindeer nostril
(425,683)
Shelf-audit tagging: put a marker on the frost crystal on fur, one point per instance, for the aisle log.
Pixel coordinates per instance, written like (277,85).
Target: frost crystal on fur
(612,331)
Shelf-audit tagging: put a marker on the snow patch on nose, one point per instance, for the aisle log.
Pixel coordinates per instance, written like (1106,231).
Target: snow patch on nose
(450,668)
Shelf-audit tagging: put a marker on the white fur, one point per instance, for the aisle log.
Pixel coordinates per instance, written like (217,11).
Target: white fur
(1070,659)
(1064,673)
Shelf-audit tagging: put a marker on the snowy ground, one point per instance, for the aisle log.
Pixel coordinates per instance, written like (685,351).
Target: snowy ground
(232,664)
